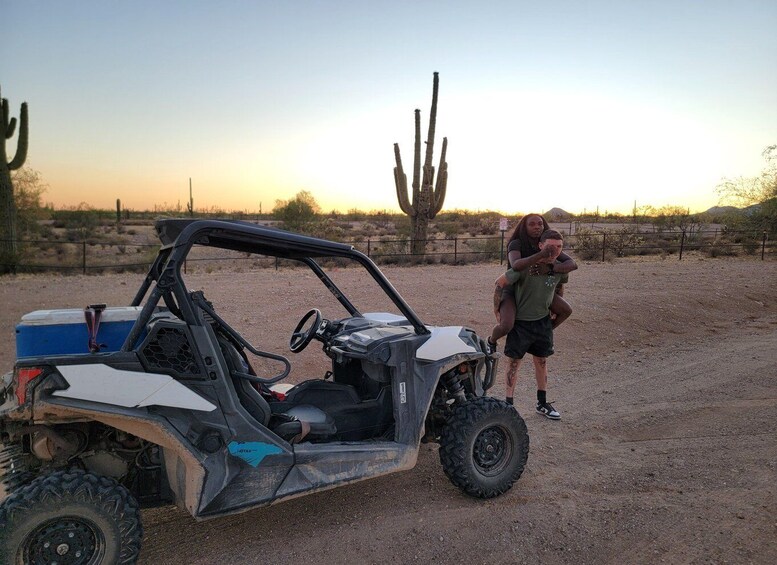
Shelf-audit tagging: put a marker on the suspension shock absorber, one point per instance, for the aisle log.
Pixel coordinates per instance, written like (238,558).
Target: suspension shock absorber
(13,469)
(452,381)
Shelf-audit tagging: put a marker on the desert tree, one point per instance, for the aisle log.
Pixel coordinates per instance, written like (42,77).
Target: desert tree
(676,218)
(758,192)
(29,188)
(428,195)
(299,213)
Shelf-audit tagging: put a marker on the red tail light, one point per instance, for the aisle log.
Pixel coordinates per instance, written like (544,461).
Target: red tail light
(23,377)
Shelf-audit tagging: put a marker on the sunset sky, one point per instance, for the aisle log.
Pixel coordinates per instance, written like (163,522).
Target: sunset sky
(575,104)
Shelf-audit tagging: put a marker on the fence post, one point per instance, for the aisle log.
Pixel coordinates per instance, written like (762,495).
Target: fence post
(682,244)
(83,256)
(368,247)
(763,246)
(604,244)
(456,249)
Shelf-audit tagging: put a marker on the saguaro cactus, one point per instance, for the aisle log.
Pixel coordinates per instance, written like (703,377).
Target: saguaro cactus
(118,211)
(8,249)
(427,201)
(190,204)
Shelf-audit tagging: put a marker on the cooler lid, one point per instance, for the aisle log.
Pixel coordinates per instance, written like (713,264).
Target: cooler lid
(76,316)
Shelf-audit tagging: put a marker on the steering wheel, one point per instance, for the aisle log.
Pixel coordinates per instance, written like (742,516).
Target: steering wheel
(300,338)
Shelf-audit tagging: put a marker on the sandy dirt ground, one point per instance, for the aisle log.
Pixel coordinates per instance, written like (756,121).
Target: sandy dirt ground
(666,378)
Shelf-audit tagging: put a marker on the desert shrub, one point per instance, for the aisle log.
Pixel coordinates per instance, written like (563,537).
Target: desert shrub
(80,222)
(618,243)
(46,232)
(450,229)
(335,262)
(750,245)
(485,226)
(721,250)
(327,228)
(487,248)
(367,229)
(587,244)
(623,242)
(429,259)
(392,251)
(403,228)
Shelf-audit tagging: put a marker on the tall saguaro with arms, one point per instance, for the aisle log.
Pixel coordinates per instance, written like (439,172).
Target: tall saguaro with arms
(7,205)
(428,195)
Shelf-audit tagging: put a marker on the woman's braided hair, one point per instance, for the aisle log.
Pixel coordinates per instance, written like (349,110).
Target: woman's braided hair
(527,246)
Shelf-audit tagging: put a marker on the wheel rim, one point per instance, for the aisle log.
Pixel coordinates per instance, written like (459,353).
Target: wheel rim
(65,541)
(492,450)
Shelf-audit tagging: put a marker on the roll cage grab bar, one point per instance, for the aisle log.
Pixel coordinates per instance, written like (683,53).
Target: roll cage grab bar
(179,236)
(199,300)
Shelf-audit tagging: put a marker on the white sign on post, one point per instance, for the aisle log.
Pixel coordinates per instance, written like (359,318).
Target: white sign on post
(503,224)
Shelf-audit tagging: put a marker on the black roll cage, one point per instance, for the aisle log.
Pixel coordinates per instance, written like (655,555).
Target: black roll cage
(178,236)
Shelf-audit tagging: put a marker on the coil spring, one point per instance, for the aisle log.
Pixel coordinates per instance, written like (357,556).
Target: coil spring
(14,471)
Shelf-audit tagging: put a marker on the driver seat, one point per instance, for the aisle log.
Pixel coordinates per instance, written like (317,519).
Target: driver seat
(292,423)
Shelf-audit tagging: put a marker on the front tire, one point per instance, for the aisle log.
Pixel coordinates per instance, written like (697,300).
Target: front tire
(70,517)
(484,447)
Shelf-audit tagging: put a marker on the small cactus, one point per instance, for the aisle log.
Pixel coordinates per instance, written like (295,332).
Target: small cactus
(8,247)
(118,211)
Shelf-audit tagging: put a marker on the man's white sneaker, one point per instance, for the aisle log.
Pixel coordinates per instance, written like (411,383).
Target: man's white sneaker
(547,410)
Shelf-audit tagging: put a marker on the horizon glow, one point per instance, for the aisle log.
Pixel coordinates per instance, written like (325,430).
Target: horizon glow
(560,105)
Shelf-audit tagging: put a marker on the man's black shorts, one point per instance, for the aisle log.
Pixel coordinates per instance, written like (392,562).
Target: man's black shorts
(535,337)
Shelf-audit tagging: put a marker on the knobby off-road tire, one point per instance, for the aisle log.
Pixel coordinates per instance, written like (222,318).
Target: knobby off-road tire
(70,517)
(484,447)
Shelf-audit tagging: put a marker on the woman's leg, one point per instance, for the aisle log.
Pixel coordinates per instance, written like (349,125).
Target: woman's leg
(506,315)
(560,310)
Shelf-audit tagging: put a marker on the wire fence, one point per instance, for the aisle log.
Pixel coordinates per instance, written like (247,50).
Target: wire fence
(98,256)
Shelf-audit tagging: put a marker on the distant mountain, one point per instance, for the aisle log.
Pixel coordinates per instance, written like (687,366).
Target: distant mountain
(720,210)
(715,210)
(556,214)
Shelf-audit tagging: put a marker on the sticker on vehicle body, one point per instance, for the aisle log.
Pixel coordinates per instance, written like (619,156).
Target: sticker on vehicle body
(402,393)
(252,452)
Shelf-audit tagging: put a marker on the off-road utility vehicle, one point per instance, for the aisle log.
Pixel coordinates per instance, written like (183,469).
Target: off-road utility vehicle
(174,412)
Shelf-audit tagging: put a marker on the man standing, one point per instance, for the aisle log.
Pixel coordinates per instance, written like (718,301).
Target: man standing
(533,329)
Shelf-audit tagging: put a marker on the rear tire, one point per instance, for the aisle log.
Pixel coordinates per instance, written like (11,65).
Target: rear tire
(70,517)
(484,447)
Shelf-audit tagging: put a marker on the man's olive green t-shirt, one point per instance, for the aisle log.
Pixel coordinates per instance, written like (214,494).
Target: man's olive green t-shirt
(533,293)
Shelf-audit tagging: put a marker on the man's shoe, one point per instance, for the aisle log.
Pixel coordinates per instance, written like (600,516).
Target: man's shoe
(547,410)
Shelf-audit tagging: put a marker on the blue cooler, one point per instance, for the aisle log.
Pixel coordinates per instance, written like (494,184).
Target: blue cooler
(62,332)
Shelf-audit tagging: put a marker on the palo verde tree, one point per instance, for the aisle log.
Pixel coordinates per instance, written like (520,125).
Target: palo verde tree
(28,187)
(8,247)
(428,195)
(298,214)
(759,193)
